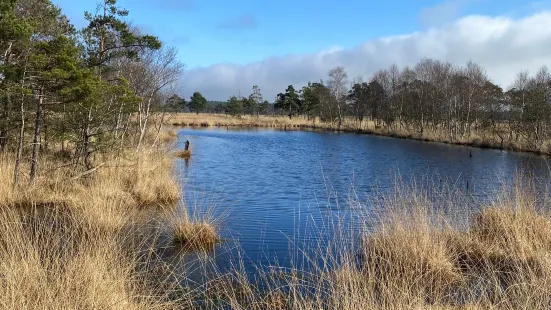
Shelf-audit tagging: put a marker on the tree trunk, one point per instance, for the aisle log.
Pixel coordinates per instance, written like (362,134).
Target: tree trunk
(125,129)
(21,129)
(467,123)
(86,142)
(158,129)
(145,118)
(119,120)
(36,139)
(87,152)
(45,145)
(19,145)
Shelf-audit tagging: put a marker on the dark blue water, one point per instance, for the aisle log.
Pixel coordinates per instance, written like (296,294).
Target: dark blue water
(276,190)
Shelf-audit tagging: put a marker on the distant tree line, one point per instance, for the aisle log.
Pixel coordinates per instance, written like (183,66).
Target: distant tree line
(85,91)
(434,95)
(254,104)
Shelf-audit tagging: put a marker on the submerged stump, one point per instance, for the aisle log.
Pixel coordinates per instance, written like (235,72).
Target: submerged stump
(185,153)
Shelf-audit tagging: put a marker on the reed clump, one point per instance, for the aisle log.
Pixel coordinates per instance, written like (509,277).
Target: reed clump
(191,235)
(409,262)
(133,180)
(416,259)
(85,242)
(184,154)
(52,259)
(150,181)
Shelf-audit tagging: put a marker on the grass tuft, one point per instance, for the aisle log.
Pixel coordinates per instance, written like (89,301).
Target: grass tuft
(183,154)
(195,235)
(416,259)
(409,261)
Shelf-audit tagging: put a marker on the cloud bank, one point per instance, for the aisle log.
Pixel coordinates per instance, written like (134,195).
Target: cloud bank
(503,46)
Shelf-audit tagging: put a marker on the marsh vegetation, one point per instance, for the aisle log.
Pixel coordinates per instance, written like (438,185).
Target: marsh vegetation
(93,212)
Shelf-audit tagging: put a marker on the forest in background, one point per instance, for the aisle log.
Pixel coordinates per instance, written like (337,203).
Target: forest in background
(437,96)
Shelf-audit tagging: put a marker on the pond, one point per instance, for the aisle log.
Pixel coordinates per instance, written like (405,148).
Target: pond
(276,191)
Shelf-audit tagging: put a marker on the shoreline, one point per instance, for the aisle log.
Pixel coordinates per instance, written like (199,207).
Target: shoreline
(396,135)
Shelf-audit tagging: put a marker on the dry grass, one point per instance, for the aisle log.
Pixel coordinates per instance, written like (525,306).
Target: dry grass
(136,179)
(191,235)
(52,259)
(83,243)
(107,199)
(222,120)
(183,154)
(412,262)
(415,259)
(167,136)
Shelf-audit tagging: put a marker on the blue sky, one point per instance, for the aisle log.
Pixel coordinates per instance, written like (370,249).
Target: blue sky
(210,33)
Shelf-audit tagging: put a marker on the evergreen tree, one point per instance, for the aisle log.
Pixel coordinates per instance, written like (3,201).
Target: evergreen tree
(235,106)
(197,103)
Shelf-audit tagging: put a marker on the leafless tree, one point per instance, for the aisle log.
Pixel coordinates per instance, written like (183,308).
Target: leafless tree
(337,83)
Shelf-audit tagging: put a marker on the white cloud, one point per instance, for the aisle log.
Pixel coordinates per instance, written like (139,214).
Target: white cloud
(503,46)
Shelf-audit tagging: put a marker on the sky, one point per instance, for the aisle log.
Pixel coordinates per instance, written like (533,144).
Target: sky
(228,46)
